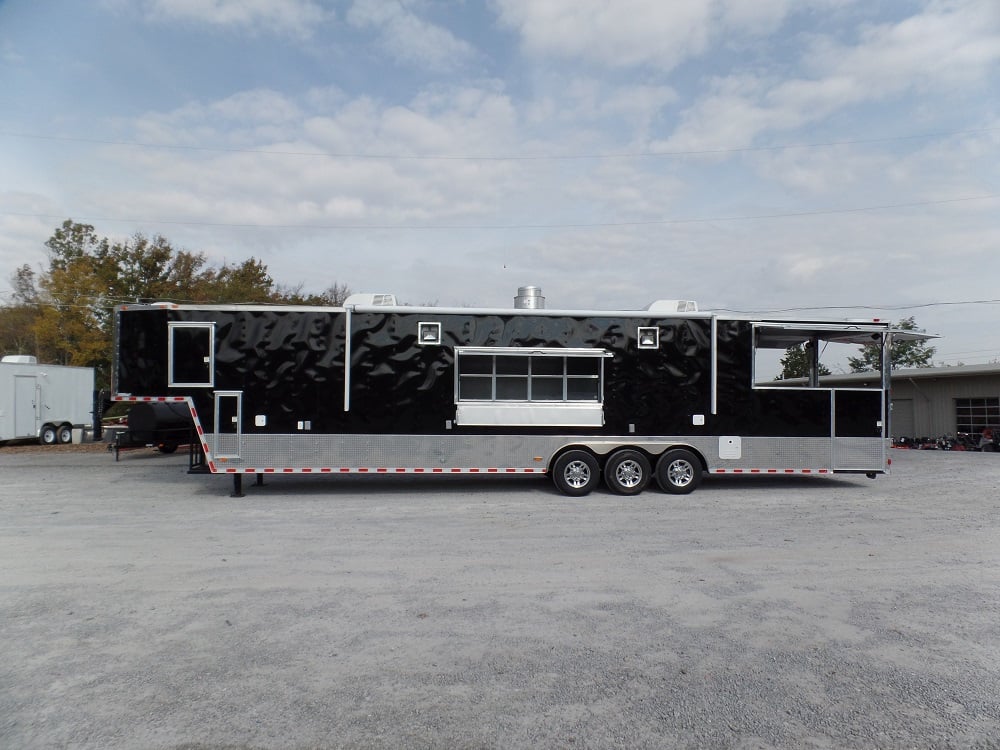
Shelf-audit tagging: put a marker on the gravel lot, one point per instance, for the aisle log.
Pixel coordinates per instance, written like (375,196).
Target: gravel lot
(144,608)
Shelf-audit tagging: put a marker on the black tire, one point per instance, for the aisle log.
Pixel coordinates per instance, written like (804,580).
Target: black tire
(627,472)
(49,435)
(576,473)
(64,434)
(167,447)
(678,471)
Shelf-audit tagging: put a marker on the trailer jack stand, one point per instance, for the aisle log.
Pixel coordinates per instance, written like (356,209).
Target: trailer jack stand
(260,480)
(237,486)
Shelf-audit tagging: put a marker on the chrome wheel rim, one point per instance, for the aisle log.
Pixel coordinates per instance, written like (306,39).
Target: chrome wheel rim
(628,474)
(680,473)
(576,474)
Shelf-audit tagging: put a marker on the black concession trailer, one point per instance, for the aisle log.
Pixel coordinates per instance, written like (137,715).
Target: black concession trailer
(665,393)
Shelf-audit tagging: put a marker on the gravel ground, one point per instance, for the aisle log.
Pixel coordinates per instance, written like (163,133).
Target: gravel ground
(144,608)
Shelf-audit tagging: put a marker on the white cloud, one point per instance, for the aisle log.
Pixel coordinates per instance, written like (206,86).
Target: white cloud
(627,33)
(754,16)
(949,43)
(408,38)
(617,34)
(23,230)
(947,46)
(297,17)
(290,165)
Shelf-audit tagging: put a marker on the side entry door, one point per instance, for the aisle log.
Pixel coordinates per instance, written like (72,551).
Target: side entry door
(26,406)
(228,423)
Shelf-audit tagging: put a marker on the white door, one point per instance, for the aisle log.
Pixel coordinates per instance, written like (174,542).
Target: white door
(25,406)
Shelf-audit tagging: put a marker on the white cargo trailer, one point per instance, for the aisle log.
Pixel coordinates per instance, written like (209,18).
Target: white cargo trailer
(47,402)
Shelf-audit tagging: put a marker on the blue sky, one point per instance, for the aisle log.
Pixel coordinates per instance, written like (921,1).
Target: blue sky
(835,157)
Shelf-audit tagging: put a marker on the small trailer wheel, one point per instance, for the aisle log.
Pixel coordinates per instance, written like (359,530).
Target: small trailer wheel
(678,472)
(627,472)
(65,434)
(576,473)
(49,435)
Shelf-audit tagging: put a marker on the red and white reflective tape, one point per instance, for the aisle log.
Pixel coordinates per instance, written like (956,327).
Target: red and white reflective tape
(149,398)
(369,470)
(772,471)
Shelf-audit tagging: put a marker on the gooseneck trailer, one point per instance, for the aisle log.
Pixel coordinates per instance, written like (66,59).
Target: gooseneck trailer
(665,393)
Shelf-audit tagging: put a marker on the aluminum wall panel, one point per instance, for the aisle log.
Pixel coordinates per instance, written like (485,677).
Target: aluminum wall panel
(533,452)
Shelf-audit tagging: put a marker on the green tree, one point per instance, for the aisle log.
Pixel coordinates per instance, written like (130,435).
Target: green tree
(247,282)
(796,363)
(903,353)
(65,314)
(89,275)
(17,319)
(143,268)
(333,296)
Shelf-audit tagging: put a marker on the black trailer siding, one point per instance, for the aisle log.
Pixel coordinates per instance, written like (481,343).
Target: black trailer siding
(140,366)
(289,366)
(761,412)
(401,386)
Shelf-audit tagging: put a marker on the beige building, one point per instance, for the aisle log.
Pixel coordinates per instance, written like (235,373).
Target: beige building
(935,401)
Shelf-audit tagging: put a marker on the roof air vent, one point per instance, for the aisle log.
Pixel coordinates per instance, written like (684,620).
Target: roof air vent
(370,300)
(673,306)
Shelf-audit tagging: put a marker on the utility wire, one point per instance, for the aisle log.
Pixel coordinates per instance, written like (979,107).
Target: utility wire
(496,157)
(117,300)
(568,225)
(915,306)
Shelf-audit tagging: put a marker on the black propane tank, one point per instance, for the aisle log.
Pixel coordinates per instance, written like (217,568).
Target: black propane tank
(159,422)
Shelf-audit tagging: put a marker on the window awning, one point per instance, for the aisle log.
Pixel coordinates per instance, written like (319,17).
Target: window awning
(772,335)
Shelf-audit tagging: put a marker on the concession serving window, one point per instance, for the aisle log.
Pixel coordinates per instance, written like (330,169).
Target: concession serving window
(543,387)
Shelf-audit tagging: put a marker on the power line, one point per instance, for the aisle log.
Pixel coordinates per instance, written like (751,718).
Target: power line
(497,157)
(896,308)
(497,227)
(112,300)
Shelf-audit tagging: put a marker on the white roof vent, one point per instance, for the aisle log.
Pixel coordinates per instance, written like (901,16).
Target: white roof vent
(19,359)
(370,300)
(673,306)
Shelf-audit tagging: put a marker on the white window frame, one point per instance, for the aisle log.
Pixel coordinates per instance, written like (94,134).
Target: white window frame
(504,412)
(171,380)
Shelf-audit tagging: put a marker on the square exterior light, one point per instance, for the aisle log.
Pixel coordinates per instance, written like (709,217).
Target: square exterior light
(428,334)
(648,337)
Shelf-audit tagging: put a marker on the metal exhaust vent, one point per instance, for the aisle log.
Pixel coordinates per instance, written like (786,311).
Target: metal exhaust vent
(529,298)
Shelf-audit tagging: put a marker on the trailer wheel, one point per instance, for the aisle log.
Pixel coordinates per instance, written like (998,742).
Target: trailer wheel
(576,473)
(64,434)
(627,472)
(167,447)
(678,472)
(48,435)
